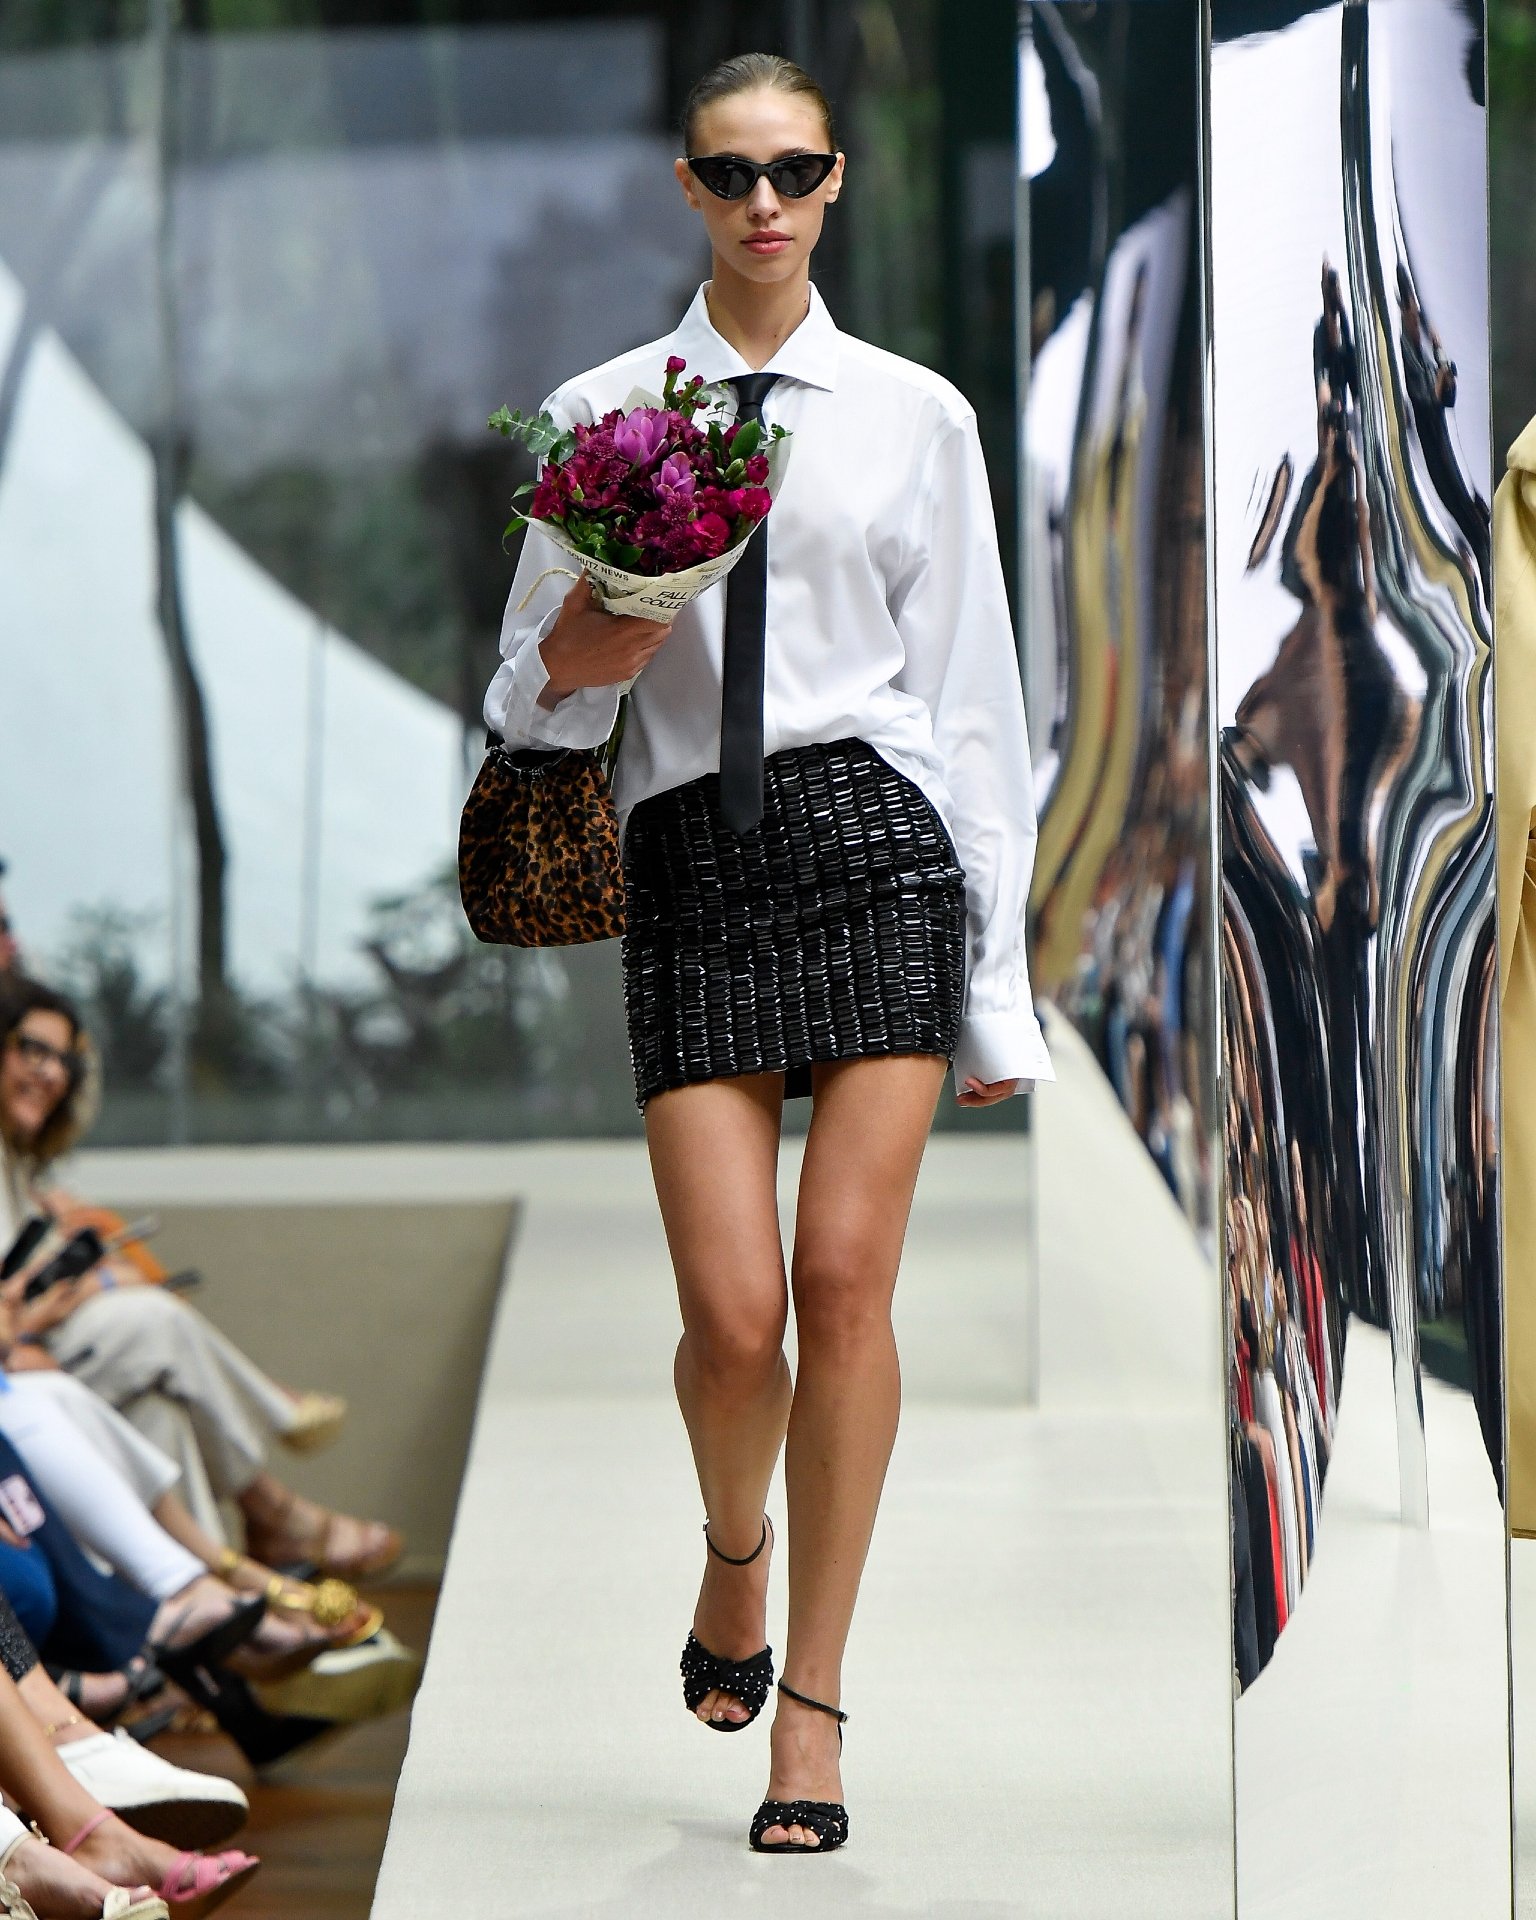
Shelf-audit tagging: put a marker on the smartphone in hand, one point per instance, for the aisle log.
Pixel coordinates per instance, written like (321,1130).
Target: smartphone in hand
(32,1234)
(79,1253)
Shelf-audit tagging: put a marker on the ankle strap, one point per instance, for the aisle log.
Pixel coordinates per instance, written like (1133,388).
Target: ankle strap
(727,1558)
(87,1830)
(806,1701)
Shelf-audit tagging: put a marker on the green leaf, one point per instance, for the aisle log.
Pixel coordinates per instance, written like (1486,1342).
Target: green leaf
(539,433)
(746,440)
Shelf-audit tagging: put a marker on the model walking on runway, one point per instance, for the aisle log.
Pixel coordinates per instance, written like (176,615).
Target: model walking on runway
(825,788)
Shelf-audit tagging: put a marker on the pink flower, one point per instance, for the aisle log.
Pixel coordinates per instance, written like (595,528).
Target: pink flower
(675,476)
(754,502)
(756,469)
(675,364)
(640,436)
(712,535)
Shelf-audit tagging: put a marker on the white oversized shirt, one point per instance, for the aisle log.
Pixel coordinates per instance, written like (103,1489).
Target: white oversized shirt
(887,621)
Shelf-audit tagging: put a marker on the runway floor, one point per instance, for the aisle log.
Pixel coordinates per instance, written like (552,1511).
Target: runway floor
(1013,1750)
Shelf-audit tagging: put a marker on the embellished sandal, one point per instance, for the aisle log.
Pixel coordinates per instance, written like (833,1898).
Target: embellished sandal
(827,1819)
(331,1604)
(704,1672)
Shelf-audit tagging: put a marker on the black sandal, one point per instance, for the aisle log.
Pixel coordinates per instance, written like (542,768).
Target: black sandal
(704,1672)
(143,1684)
(827,1819)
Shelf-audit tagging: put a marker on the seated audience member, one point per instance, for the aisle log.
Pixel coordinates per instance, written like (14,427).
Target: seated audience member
(93,1849)
(181,1382)
(101,1476)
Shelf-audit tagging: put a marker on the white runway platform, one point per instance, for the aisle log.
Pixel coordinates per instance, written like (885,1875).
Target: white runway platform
(1015,1747)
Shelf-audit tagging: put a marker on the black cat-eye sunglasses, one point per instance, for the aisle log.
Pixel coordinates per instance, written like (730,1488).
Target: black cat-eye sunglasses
(728,177)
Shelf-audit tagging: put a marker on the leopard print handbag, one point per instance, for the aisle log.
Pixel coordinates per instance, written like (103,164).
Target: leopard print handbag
(539,850)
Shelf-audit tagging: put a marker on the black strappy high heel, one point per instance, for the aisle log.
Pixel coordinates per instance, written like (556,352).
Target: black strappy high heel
(827,1819)
(704,1672)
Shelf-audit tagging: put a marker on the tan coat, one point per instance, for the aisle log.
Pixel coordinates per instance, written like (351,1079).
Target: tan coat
(1514,540)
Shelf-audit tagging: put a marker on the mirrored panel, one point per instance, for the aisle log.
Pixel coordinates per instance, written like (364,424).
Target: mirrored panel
(1114,570)
(1512,234)
(1351,565)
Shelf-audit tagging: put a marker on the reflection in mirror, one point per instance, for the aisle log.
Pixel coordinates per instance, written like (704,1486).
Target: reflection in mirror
(1512,154)
(1114,572)
(1358,954)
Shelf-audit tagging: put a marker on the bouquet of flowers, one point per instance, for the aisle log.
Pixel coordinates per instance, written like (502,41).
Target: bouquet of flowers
(658,498)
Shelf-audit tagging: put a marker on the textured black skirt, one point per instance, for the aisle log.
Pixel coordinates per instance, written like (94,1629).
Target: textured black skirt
(832,931)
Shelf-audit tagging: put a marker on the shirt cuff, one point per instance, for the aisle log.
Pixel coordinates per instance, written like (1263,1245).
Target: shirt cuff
(582,719)
(1001,1046)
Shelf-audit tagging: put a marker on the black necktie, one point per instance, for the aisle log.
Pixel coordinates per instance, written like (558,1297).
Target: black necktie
(741,690)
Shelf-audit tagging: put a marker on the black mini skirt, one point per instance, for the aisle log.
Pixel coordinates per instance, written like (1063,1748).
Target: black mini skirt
(834,930)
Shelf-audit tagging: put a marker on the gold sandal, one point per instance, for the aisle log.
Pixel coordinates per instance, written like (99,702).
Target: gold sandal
(327,1602)
(317,1420)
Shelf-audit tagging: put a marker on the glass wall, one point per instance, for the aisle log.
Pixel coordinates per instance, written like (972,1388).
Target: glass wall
(266,266)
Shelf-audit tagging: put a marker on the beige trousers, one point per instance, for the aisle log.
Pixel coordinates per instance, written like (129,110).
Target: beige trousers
(183,1385)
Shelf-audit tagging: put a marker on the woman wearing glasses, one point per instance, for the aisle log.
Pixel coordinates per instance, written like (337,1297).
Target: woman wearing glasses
(176,1378)
(828,832)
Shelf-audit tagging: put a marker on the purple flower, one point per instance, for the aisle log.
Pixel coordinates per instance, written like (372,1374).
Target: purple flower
(675,476)
(639,437)
(675,365)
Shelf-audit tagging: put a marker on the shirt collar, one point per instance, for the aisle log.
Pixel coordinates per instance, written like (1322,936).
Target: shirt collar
(809,355)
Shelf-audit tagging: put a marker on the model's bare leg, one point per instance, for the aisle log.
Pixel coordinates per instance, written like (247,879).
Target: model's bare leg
(868,1131)
(714,1155)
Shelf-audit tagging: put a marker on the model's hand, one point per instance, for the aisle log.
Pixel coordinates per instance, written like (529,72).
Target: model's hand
(589,648)
(978,1093)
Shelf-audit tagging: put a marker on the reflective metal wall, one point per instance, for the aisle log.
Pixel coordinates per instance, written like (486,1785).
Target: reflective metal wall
(1351,567)
(1113,514)
(1116,594)
(1323,930)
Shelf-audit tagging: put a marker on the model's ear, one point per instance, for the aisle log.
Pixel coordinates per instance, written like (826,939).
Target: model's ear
(835,179)
(686,181)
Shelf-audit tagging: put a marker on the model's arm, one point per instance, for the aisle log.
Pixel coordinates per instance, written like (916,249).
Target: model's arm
(952,612)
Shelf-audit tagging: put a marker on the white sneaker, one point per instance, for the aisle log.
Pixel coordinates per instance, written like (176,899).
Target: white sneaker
(173,1804)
